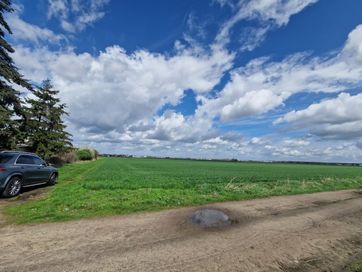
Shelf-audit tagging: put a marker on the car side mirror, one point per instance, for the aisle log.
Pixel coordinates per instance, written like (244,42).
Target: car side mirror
(44,164)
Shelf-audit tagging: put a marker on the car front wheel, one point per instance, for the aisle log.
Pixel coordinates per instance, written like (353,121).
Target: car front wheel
(13,187)
(53,179)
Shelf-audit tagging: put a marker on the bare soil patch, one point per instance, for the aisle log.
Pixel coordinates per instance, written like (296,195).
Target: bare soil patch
(316,232)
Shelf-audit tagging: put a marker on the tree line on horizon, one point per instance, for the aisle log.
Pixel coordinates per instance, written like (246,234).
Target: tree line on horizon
(28,122)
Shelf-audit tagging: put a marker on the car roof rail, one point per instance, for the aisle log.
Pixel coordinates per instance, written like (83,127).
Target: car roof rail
(17,151)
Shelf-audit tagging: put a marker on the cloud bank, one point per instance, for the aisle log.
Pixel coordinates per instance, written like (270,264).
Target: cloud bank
(123,101)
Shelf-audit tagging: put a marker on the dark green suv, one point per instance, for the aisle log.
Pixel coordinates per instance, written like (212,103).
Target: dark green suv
(22,169)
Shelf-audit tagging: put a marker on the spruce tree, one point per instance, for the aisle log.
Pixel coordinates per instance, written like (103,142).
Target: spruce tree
(47,135)
(12,116)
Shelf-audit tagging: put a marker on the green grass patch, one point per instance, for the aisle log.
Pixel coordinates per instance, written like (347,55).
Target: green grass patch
(355,267)
(112,186)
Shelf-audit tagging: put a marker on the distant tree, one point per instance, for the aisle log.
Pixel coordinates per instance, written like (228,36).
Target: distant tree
(12,116)
(47,136)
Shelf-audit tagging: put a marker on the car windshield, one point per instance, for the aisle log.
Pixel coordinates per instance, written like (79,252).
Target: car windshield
(5,158)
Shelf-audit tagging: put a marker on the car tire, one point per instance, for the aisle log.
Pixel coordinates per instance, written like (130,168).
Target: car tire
(13,187)
(53,179)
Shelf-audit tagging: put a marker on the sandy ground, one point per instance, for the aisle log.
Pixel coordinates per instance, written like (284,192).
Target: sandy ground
(316,232)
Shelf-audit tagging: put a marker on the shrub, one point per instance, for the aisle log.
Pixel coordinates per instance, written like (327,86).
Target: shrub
(69,157)
(84,154)
(93,152)
(56,161)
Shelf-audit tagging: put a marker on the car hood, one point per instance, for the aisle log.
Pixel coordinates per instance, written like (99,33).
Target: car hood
(53,168)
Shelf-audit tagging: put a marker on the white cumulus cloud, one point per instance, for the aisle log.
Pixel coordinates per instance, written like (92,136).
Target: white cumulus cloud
(340,117)
(262,85)
(116,89)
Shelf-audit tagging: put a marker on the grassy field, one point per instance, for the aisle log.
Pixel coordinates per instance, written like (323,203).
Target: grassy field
(119,186)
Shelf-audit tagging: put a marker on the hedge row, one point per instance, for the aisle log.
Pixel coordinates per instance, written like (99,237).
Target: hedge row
(78,154)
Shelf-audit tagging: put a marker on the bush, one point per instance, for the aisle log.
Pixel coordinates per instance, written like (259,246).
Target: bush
(56,161)
(72,156)
(93,152)
(69,157)
(84,154)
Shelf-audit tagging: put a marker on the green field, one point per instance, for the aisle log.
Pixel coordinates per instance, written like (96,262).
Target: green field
(112,186)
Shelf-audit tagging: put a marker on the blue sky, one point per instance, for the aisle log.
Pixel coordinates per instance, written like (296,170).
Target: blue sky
(258,79)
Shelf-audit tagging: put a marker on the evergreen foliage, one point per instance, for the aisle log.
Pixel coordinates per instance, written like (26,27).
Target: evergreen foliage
(47,136)
(39,127)
(12,116)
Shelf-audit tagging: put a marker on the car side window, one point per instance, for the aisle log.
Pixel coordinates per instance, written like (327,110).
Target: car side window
(25,159)
(37,161)
(5,158)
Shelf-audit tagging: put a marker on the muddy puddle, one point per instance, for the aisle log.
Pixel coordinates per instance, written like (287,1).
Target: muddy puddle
(210,218)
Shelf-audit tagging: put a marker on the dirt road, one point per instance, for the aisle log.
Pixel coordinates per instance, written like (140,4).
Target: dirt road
(317,232)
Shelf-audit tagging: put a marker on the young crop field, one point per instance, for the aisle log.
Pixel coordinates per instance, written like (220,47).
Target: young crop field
(112,186)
